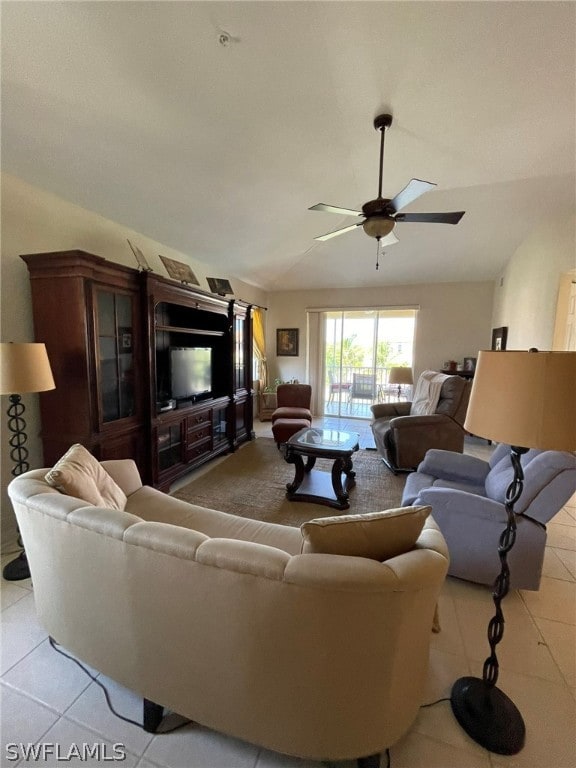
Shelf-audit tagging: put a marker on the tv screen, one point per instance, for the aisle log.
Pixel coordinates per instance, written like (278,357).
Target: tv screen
(190,371)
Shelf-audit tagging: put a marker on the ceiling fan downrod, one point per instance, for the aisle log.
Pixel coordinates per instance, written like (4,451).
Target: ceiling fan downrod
(381,123)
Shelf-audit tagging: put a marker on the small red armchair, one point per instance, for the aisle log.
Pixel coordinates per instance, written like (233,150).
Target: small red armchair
(293,412)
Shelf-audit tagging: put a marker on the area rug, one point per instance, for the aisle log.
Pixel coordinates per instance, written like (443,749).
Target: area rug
(252,483)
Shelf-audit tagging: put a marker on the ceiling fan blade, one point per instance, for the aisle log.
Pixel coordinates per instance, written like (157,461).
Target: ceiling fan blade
(338,231)
(334,209)
(411,192)
(389,240)
(432,218)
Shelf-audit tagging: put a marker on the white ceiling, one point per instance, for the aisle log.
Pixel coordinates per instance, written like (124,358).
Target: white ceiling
(136,111)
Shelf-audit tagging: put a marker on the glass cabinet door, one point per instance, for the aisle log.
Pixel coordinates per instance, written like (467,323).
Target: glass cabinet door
(115,355)
(240,369)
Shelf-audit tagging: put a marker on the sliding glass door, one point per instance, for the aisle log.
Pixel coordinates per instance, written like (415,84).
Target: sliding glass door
(360,347)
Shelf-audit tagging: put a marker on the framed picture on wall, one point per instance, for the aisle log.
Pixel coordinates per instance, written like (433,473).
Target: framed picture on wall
(470,364)
(287,342)
(499,336)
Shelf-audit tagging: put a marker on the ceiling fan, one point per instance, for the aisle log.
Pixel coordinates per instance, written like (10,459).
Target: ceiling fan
(381,215)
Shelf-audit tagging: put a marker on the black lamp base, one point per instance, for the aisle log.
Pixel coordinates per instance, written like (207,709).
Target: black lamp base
(488,716)
(17,569)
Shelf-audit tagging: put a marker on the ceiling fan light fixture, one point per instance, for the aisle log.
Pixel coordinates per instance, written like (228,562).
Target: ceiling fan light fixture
(378,226)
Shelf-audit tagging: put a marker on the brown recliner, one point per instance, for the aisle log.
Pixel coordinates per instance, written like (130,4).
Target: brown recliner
(293,412)
(403,439)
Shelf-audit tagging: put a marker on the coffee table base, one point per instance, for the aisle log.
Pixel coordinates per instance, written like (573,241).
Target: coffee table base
(319,487)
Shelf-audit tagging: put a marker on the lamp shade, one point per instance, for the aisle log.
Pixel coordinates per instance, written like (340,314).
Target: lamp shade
(24,368)
(400,375)
(525,399)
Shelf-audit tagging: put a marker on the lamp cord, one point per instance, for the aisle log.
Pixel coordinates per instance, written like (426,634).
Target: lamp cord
(57,648)
(502,583)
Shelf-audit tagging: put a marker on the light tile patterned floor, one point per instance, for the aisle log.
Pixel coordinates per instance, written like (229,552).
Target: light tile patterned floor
(46,698)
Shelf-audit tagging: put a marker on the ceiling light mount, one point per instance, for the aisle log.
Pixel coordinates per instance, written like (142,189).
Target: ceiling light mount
(381,122)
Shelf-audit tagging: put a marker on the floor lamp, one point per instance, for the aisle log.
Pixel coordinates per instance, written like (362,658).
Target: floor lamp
(23,368)
(400,375)
(526,400)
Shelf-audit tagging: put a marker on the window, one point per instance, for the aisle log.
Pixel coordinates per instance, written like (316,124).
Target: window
(360,346)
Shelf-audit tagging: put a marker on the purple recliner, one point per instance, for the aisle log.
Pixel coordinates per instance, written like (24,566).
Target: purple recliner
(467,497)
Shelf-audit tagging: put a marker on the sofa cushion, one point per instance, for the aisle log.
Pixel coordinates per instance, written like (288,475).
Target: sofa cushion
(377,535)
(154,506)
(80,475)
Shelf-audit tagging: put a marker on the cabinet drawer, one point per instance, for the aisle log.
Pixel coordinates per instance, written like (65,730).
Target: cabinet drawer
(195,434)
(196,419)
(198,450)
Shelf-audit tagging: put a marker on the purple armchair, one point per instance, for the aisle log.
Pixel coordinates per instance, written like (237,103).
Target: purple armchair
(467,499)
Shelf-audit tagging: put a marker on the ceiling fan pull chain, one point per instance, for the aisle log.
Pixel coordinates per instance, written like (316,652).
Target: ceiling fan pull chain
(377,252)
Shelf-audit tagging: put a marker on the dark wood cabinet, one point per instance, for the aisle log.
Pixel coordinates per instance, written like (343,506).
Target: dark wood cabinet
(88,313)
(109,330)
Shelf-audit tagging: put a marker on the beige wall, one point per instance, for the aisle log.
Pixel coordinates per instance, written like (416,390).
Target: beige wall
(35,221)
(525,297)
(453,321)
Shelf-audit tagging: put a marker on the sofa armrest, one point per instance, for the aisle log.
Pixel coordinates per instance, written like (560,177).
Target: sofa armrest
(446,502)
(390,410)
(125,473)
(460,467)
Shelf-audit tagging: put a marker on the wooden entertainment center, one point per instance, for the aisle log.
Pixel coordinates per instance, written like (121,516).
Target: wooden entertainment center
(108,330)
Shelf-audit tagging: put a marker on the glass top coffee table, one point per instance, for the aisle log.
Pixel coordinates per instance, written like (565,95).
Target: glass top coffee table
(316,486)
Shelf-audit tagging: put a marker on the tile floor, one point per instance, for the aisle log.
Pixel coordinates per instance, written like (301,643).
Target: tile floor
(48,699)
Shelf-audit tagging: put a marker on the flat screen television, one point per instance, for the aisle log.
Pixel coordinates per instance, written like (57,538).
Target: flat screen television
(190,372)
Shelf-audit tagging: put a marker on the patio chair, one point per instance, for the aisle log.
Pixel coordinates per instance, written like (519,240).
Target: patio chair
(336,387)
(363,388)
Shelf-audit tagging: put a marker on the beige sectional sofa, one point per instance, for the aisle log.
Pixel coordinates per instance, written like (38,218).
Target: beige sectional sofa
(237,624)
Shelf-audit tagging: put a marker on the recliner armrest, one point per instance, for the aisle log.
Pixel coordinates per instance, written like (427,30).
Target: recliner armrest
(452,501)
(460,467)
(390,410)
(417,422)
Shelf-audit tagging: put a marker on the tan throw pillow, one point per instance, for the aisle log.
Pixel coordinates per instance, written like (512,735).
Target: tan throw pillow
(377,535)
(79,474)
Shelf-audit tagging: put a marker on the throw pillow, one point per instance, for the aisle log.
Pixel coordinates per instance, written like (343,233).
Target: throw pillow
(79,474)
(377,535)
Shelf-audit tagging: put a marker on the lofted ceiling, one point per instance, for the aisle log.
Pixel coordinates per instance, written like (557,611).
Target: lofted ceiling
(137,111)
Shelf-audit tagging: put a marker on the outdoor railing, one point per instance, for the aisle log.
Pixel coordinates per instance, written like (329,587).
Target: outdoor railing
(345,375)
(341,397)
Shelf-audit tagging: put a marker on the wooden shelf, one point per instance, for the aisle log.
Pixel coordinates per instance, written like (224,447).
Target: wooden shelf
(196,331)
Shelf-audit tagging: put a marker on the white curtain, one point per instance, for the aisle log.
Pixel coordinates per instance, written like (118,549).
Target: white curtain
(315,361)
